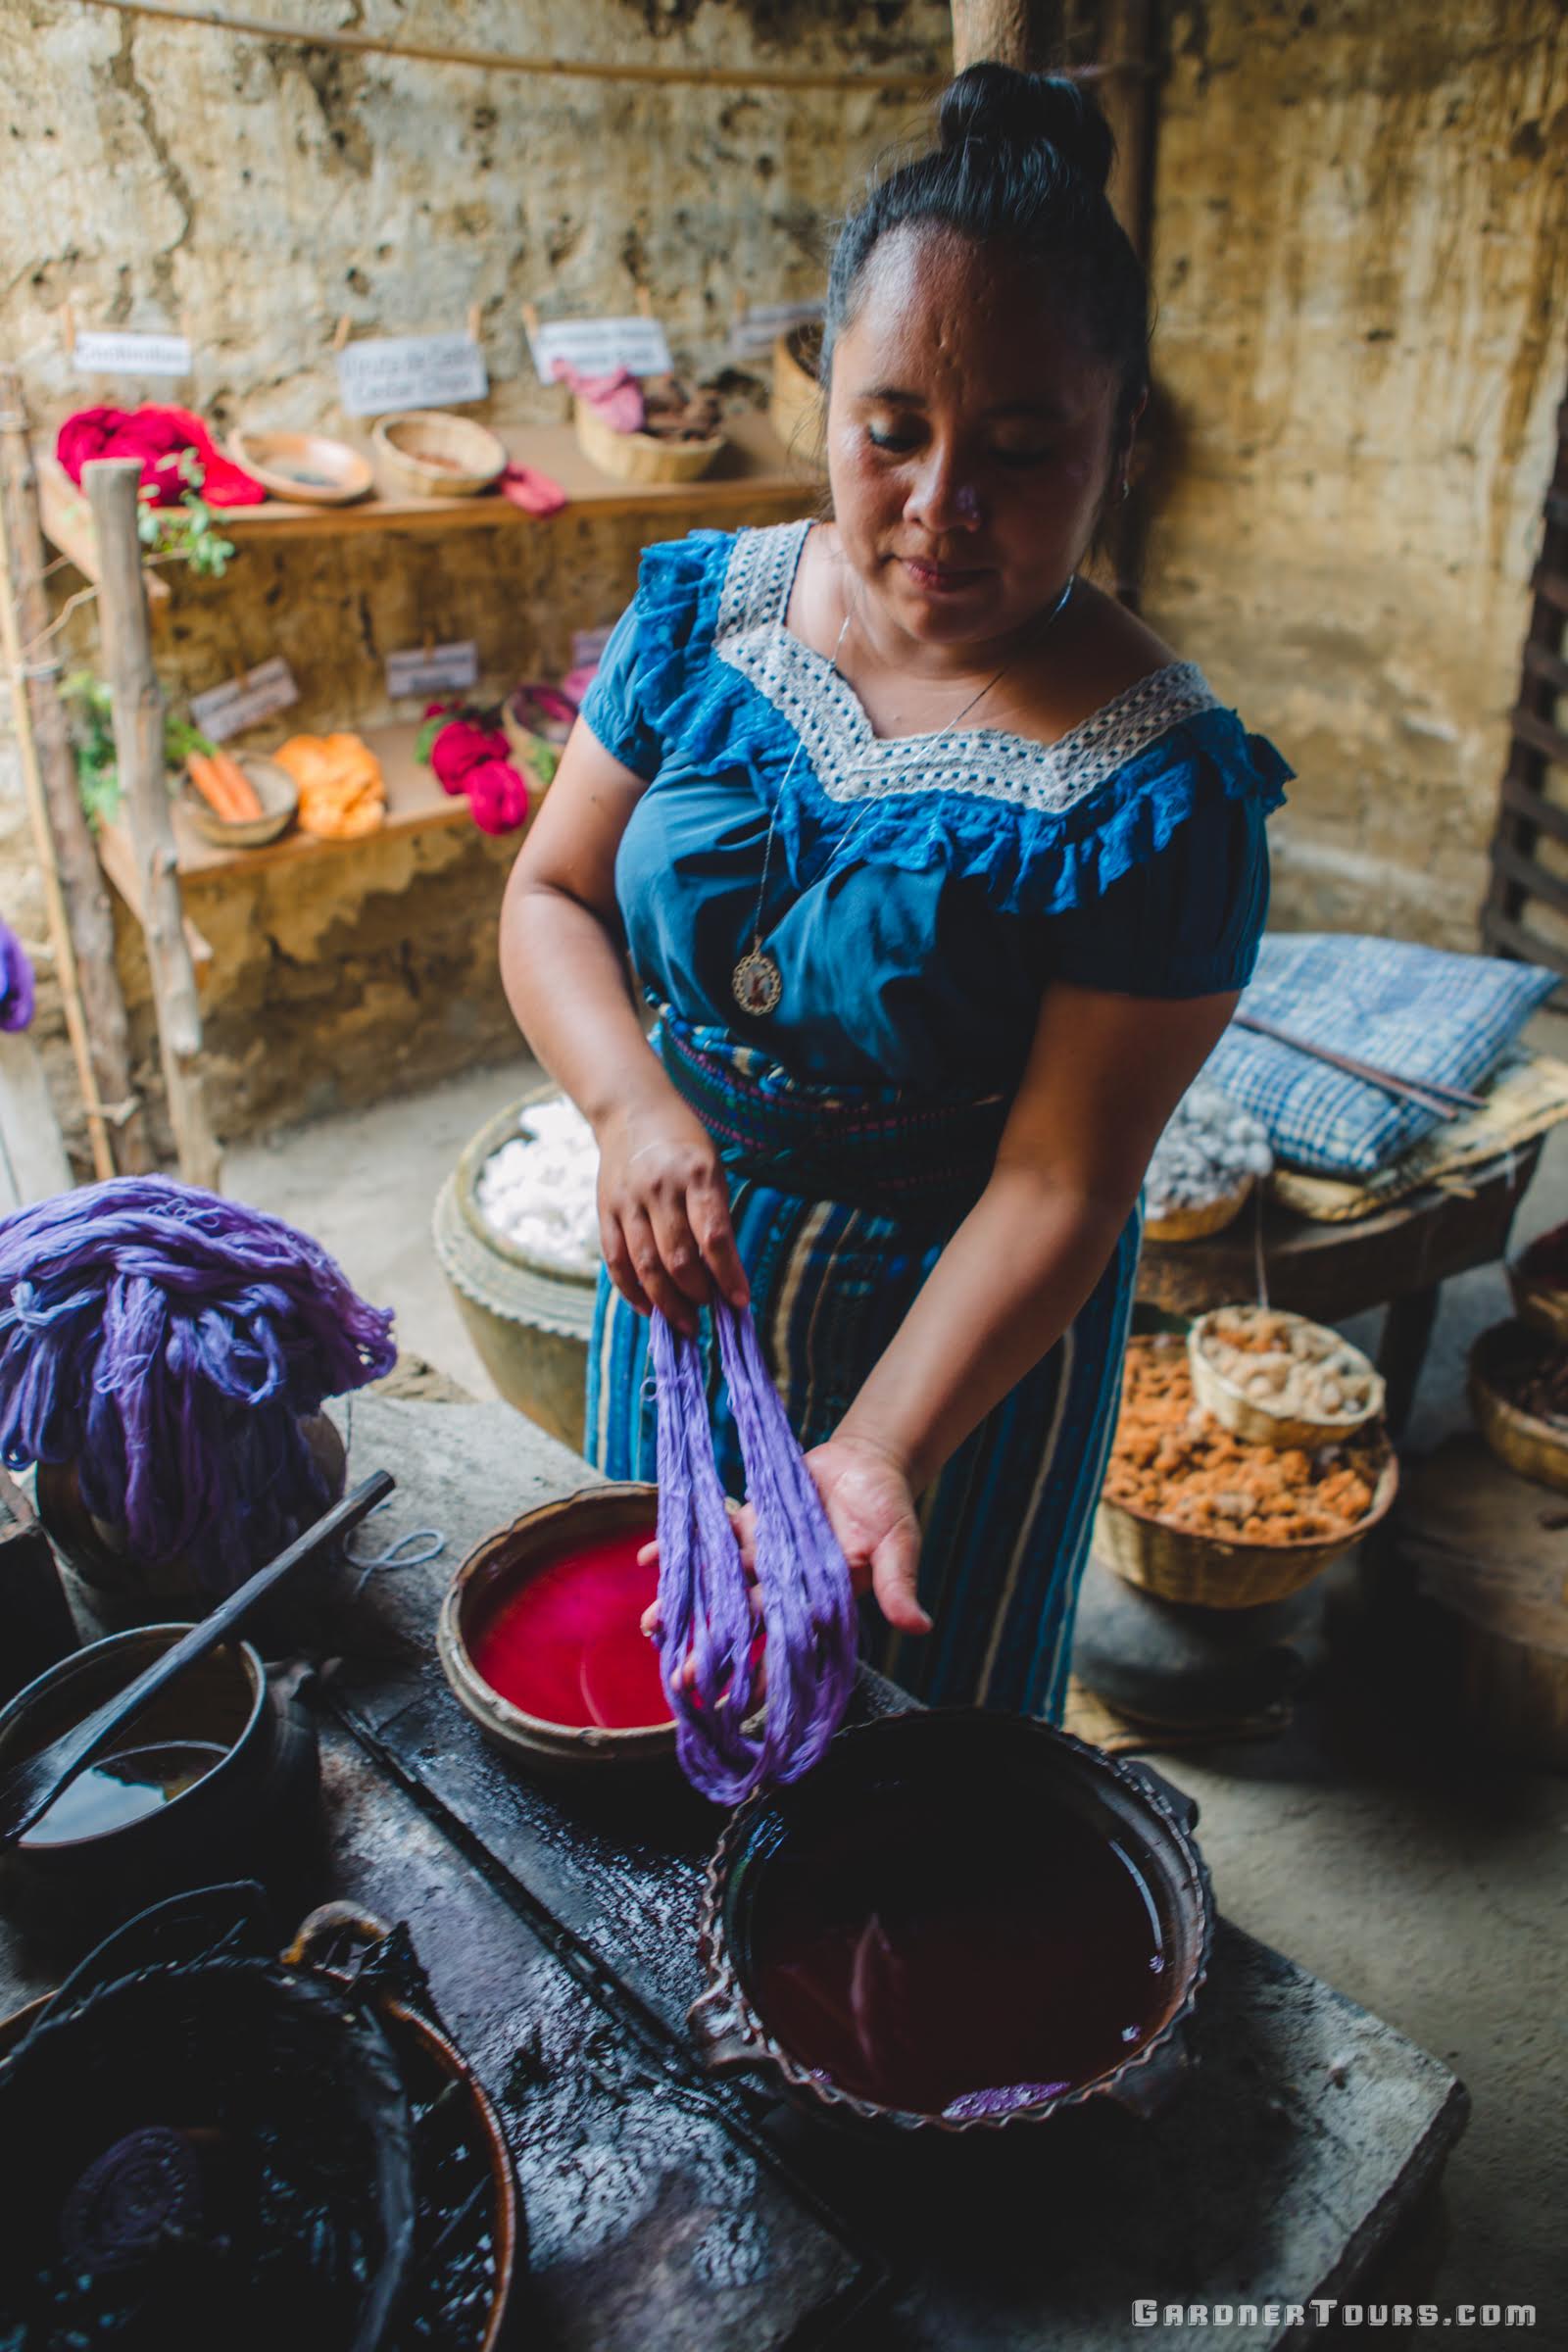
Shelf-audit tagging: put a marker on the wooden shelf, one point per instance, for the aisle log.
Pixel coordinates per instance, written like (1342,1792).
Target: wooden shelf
(415,803)
(755,470)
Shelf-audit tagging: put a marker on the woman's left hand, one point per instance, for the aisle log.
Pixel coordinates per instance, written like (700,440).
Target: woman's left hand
(870,1508)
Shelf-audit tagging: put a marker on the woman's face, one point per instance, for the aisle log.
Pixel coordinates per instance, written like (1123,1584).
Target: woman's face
(969,440)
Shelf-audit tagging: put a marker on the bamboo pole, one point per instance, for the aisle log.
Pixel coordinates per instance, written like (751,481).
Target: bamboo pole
(496,60)
(114,489)
(88,914)
(60,939)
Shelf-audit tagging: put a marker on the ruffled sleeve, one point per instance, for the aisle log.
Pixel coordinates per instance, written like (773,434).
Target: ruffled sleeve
(635,703)
(1185,922)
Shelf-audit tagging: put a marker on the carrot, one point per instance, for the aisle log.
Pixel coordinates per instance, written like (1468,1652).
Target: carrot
(239,784)
(213,787)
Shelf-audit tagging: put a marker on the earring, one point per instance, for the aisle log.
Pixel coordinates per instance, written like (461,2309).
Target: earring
(1126,489)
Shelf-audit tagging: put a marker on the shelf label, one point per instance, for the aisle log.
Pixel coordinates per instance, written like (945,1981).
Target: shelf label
(410,371)
(756,331)
(599,346)
(434,670)
(114,353)
(241,703)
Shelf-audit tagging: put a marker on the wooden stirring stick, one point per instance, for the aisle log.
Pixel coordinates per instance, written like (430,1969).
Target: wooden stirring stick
(1448,1102)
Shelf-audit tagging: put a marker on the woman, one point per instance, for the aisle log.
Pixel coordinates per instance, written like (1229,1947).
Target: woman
(945,876)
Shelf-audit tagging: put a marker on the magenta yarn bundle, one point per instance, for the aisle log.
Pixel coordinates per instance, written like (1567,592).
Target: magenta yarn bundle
(164,1342)
(706,1620)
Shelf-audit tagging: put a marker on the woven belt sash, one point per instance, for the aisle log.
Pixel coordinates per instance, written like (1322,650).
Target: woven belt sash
(876,1148)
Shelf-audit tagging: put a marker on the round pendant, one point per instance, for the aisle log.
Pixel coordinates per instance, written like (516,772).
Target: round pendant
(757,983)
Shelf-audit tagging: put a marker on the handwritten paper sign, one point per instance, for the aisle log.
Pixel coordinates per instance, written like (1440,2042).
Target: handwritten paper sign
(410,371)
(598,346)
(436,670)
(756,331)
(227,710)
(106,354)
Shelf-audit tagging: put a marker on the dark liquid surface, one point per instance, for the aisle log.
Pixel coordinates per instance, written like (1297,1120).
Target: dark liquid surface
(567,1646)
(916,1956)
(119,1788)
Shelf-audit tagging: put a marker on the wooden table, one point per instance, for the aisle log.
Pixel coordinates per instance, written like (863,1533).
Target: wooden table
(558,1925)
(1400,1259)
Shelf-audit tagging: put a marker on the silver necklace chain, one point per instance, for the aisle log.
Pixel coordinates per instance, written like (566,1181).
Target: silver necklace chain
(757,983)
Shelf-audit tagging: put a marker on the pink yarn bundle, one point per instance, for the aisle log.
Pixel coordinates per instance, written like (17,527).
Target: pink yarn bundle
(476,759)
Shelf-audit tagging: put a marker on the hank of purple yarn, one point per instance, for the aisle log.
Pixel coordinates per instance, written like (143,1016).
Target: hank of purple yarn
(704,1606)
(15,981)
(165,1342)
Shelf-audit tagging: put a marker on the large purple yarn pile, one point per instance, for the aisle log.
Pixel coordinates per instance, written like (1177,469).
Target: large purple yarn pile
(15,981)
(165,1342)
(707,1627)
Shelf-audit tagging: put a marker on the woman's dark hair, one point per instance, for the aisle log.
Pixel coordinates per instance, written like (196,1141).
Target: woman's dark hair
(1023,163)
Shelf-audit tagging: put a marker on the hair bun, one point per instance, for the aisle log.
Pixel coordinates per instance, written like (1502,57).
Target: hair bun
(997,106)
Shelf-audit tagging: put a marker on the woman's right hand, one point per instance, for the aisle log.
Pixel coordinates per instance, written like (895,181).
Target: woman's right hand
(664,1214)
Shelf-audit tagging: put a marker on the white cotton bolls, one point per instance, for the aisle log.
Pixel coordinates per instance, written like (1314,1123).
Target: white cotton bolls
(1210,1148)
(540,1190)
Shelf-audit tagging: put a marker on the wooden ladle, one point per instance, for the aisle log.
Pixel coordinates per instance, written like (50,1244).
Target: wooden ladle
(31,1787)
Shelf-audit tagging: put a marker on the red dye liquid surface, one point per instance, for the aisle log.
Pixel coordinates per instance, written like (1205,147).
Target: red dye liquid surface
(915,1956)
(567,1643)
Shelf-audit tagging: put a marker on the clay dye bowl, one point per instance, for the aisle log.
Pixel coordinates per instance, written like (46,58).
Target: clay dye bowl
(540,1635)
(214,1775)
(959,1922)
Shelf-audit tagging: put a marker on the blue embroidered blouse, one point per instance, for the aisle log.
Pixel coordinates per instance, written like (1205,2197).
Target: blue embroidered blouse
(922,892)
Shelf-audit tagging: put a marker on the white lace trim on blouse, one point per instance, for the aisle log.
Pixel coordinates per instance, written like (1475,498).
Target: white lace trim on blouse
(852,763)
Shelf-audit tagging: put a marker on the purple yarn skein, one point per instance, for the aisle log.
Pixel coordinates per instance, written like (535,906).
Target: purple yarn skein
(708,1623)
(166,1341)
(15,981)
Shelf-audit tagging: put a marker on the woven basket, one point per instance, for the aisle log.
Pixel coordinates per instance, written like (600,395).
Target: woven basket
(1539,1304)
(274,788)
(797,408)
(1258,1424)
(1207,1572)
(640,457)
(1210,1216)
(1536,1449)
(424,452)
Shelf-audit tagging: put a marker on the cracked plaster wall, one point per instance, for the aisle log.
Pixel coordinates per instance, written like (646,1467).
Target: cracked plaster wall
(1361,276)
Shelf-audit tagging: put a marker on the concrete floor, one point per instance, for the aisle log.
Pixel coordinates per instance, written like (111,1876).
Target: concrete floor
(1423,1879)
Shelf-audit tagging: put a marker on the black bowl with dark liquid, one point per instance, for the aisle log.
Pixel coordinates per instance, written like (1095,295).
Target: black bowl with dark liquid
(959,1920)
(217,1773)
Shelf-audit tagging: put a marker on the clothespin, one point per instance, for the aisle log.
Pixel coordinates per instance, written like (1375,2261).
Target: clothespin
(428,647)
(344,329)
(71,327)
(644,302)
(474,323)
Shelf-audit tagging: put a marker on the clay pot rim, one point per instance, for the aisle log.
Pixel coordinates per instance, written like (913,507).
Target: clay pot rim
(1134,2081)
(535,1738)
(83,1662)
(476,1153)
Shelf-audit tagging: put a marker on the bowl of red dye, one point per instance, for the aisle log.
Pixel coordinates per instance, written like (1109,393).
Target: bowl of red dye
(541,1637)
(959,1921)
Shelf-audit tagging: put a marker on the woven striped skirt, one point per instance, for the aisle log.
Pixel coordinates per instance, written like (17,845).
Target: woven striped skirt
(842,1201)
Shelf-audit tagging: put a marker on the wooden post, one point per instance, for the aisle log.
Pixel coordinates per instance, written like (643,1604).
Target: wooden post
(113,486)
(89,921)
(1004,32)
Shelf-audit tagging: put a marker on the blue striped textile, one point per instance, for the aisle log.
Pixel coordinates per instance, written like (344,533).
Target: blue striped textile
(1006,1526)
(1421,1012)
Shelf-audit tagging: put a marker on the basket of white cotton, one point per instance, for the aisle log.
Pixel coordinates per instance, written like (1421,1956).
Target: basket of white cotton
(517,1232)
(1276,1379)
(1204,1167)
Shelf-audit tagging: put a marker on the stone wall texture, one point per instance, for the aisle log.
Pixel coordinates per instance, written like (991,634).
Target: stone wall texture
(1361,274)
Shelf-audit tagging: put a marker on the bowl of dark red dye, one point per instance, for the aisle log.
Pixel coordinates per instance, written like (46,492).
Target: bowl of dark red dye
(541,1639)
(959,1921)
(217,1775)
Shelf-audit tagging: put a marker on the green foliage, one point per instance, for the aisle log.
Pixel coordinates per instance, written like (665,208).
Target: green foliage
(184,533)
(93,741)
